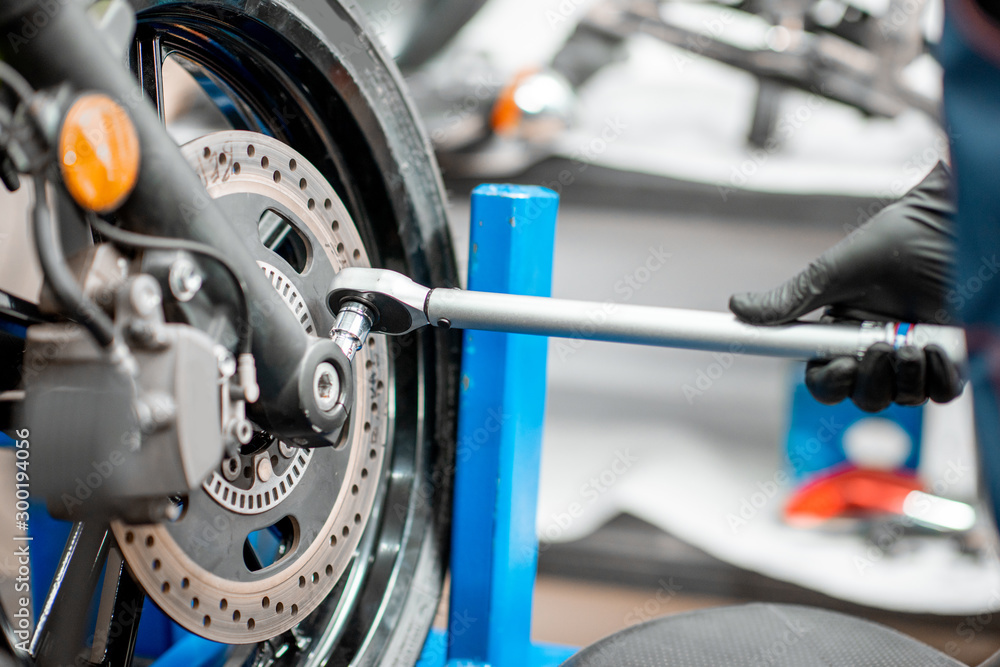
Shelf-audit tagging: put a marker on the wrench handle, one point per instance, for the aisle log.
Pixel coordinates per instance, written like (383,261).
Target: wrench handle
(675,327)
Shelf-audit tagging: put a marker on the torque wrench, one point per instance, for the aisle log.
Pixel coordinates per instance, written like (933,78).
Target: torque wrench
(397,305)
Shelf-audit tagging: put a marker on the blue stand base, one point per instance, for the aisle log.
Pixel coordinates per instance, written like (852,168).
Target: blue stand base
(538,655)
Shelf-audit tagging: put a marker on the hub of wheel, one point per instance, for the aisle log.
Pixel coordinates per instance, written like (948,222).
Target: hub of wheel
(269,534)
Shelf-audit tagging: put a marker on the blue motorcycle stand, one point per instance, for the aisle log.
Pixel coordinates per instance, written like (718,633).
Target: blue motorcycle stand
(494,548)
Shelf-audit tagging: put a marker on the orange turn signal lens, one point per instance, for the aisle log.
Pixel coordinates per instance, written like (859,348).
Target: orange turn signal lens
(506,114)
(98,153)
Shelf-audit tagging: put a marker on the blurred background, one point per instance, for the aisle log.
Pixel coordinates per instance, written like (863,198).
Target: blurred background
(703,148)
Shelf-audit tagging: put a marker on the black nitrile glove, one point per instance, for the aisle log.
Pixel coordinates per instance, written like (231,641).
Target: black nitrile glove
(896,267)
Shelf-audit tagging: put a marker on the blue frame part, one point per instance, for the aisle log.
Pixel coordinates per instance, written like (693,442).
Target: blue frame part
(494,548)
(16,330)
(815,444)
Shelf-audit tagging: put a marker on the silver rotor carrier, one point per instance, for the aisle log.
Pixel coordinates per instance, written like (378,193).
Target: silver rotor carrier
(276,471)
(286,290)
(193,568)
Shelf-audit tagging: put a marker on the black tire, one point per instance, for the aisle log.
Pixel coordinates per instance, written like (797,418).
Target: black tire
(307,73)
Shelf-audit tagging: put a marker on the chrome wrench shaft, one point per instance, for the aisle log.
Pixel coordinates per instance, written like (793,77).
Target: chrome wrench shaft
(403,306)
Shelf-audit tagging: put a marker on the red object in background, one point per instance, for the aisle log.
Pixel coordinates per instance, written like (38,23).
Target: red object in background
(854,492)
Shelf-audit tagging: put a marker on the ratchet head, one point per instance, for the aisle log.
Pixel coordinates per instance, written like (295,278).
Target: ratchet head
(398,302)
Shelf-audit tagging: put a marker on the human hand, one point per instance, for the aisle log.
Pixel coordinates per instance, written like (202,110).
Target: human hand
(897,266)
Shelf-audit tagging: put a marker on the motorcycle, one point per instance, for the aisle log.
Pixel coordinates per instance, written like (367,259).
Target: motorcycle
(167,376)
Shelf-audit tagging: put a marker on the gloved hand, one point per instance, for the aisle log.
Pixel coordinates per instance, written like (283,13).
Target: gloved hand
(896,267)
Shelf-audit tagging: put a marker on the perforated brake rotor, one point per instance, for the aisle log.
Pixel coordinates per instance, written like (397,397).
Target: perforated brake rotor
(204,569)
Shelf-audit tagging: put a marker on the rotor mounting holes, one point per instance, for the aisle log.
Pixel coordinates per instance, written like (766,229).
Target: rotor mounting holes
(264,162)
(150,541)
(303,184)
(329,570)
(206,621)
(265,602)
(223,604)
(328,204)
(356,254)
(277,176)
(156,563)
(236,615)
(251,150)
(302,582)
(185,582)
(278,608)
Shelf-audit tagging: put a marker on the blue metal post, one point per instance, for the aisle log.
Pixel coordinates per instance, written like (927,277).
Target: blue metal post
(494,546)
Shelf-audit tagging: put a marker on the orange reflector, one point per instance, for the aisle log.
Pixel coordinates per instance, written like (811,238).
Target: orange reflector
(98,153)
(506,115)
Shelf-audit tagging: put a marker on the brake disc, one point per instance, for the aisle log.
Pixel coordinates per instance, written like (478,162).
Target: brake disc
(268,535)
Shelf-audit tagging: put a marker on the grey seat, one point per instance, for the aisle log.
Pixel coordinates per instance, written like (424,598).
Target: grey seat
(760,635)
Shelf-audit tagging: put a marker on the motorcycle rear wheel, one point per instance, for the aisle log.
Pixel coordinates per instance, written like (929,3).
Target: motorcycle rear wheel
(307,74)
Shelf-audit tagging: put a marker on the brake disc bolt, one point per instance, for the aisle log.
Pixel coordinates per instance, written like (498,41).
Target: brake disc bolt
(184,279)
(326,386)
(286,450)
(264,470)
(231,468)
